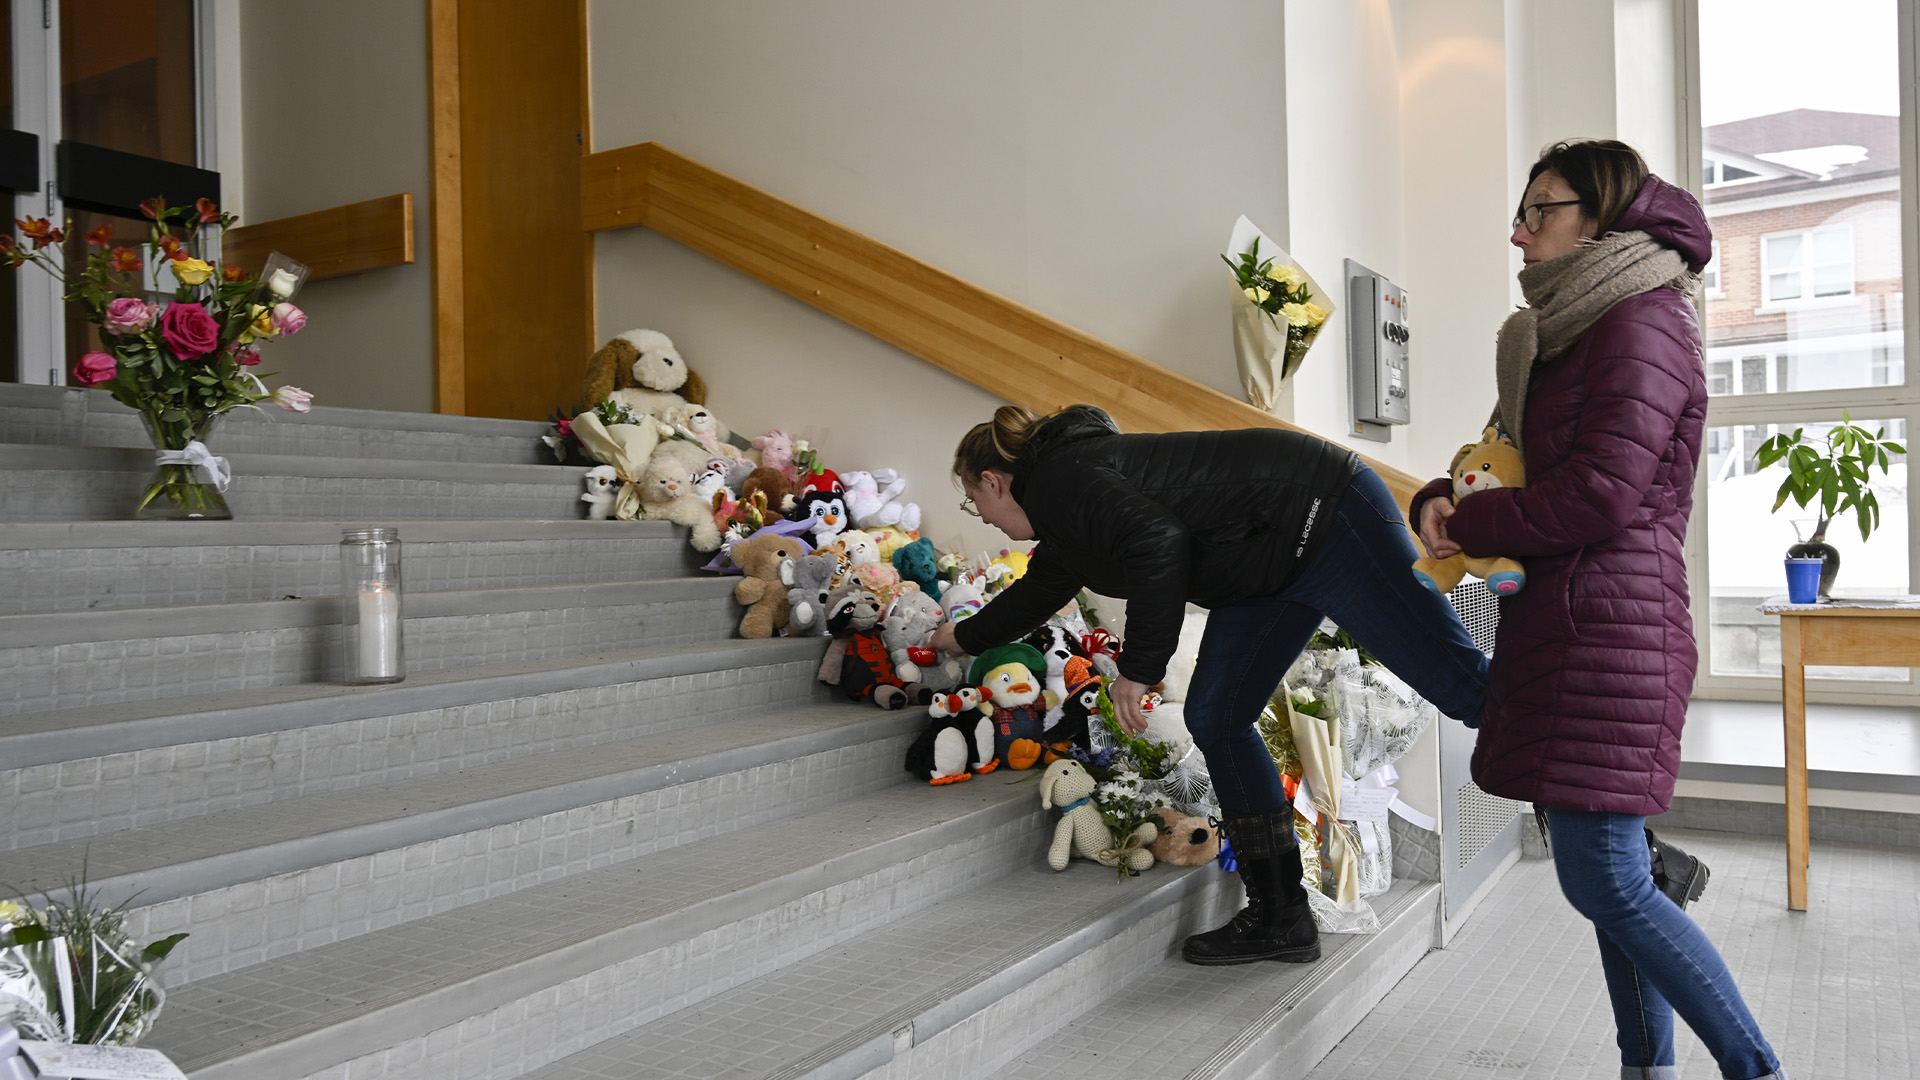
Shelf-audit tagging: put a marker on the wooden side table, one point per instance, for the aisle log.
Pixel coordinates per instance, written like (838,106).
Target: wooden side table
(1846,632)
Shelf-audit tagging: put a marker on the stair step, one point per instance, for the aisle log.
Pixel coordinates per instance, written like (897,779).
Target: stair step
(252,879)
(74,566)
(599,952)
(1268,1020)
(77,773)
(71,416)
(974,963)
(75,659)
(84,483)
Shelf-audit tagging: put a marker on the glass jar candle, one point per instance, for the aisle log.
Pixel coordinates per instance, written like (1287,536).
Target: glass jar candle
(370,576)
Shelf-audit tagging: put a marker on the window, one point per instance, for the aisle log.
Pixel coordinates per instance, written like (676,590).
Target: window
(1710,277)
(1807,265)
(1815,325)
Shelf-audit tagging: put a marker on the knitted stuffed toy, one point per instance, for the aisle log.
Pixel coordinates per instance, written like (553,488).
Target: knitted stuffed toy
(1082,831)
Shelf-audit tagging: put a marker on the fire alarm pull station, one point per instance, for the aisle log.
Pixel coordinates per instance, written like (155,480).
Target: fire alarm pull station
(1377,338)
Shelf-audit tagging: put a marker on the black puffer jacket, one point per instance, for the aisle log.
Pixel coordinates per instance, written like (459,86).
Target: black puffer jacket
(1159,520)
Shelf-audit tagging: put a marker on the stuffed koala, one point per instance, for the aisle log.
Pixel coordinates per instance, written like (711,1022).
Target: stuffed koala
(908,633)
(1493,462)
(668,493)
(808,580)
(761,590)
(642,370)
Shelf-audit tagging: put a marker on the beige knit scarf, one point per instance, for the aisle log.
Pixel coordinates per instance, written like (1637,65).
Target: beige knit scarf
(1566,296)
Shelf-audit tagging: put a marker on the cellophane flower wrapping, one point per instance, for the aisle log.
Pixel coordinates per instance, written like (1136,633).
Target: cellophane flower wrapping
(69,973)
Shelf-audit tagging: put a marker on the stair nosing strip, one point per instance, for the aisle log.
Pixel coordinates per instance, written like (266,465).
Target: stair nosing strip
(391,1019)
(42,628)
(292,854)
(156,722)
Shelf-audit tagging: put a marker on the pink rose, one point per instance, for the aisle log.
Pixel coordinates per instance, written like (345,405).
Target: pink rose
(293,399)
(566,427)
(95,368)
(128,315)
(288,319)
(246,357)
(188,330)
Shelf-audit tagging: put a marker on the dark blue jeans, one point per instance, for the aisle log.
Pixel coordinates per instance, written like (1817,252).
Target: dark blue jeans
(1656,959)
(1362,579)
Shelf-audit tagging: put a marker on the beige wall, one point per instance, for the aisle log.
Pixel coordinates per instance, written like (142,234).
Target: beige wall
(334,111)
(1086,159)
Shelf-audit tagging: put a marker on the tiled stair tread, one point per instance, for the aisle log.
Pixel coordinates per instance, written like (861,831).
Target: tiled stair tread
(74,734)
(58,399)
(36,629)
(135,534)
(178,858)
(966,951)
(1178,1019)
(58,459)
(358,995)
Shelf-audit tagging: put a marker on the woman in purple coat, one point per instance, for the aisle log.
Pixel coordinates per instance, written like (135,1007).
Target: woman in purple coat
(1600,384)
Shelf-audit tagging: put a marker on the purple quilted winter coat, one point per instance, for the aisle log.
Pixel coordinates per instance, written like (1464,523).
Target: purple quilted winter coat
(1594,659)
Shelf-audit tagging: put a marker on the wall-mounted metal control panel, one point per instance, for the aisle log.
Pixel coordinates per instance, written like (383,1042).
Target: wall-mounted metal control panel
(1377,337)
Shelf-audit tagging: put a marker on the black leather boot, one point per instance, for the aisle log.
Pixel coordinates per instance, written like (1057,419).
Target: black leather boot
(1276,924)
(1681,876)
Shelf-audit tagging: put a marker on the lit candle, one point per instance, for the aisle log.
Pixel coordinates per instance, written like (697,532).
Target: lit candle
(379,645)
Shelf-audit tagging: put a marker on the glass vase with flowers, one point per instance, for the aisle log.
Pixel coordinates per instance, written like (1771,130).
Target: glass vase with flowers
(179,335)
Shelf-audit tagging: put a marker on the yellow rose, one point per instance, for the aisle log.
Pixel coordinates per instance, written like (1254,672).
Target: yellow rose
(192,271)
(12,914)
(1315,312)
(262,322)
(1257,295)
(1297,314)
(1288,275)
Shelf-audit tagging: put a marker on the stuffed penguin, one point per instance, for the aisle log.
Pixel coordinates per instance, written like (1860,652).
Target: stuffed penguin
(958,742)
(1077,712)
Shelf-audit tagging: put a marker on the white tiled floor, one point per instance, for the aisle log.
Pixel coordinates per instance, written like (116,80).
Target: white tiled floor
(1836,988)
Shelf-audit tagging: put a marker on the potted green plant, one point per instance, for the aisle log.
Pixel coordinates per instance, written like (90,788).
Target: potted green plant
(1835,470)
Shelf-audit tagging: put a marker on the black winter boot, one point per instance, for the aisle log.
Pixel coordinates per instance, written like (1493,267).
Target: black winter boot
(1276,924)
(1681,876)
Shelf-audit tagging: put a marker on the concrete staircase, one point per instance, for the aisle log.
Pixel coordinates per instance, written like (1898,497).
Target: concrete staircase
(593,834)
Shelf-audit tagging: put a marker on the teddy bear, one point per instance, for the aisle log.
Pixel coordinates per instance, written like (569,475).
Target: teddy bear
(603,482)
(962,599)
(642,370)
(866,672)
(1185,840)
(957,743)
(776,452)
(1493,462)
(916,563)
(698,423)
(667,493)
(907,631)
(774,483)
(761,590)
(1008,674)
(1082,831)
(808,580)
(871,499)
(828,511)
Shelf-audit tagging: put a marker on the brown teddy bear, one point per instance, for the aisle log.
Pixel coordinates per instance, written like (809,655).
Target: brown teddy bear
(1185,841)
(642,369)
(759,557)
(1493,462)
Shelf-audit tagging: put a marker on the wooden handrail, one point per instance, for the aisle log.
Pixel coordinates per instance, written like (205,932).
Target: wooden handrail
(978,335)
(350,239)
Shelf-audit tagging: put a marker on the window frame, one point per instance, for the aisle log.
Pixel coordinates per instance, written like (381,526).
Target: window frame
(1890,402)
(1806,269)
(1717,290)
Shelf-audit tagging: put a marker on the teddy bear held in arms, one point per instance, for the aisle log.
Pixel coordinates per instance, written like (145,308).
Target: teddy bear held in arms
(1493,462)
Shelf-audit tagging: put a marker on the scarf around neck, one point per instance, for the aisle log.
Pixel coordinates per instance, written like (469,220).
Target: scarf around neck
(1565,297)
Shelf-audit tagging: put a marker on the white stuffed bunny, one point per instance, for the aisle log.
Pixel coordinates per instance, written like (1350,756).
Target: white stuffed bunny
(871,500)
(1082,831)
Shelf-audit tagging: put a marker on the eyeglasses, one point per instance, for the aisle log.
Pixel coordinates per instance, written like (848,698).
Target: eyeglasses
(1534,216)
(967,507)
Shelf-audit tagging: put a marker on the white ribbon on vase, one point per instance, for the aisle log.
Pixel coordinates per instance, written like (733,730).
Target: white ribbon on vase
(196,455)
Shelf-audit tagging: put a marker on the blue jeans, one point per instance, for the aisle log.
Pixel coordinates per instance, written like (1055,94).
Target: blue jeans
(1657,961)
(1362,579)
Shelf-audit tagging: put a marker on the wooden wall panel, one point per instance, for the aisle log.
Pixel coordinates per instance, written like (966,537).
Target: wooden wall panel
(349,239)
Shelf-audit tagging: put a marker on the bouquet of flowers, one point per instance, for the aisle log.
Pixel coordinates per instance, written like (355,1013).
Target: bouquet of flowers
(1137,775)
(1278,313)
(69,974)
(184,363)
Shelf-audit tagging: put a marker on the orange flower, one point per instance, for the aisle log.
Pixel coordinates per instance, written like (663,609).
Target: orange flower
(125,259)
(34,228)
(170,247)
(54,236)
(152,207)
(101,236)
(208,211)
(231,273)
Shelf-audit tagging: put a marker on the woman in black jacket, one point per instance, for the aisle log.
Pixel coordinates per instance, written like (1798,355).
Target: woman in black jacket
(1270,529)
